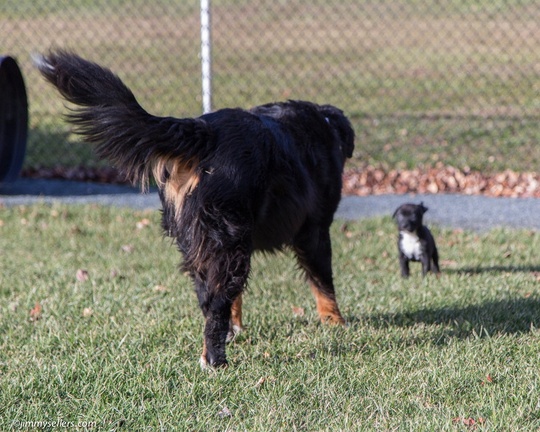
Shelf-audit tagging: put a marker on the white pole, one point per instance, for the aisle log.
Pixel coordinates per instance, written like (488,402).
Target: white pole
(206,56)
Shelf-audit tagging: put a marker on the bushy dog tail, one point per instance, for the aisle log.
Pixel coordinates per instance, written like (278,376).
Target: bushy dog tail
(135,141)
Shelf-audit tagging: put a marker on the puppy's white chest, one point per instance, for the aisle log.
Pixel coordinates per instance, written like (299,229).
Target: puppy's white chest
(410,245)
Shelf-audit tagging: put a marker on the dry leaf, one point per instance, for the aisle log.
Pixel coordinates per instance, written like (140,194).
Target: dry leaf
(225,412)
(82,275)
(465,421)
(469,421)
(370,180)
(128,248)
(36,312)
(261,381)
(87,312)
(298,311)
(345,230)
(143,223)
(161,288)
(367,180)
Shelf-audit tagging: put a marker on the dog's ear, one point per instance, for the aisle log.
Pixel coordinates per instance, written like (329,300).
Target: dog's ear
(423,207)
(340,123)
(396,212)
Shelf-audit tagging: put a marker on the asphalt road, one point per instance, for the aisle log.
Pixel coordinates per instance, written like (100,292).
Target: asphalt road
(456,211)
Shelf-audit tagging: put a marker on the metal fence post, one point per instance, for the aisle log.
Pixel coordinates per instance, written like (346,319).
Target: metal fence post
(206,56)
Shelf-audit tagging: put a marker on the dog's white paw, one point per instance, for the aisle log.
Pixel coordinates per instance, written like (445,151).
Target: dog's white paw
(205,366)
(234,330)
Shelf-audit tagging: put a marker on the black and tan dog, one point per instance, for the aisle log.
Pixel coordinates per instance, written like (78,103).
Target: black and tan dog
(415,241)
(231,182)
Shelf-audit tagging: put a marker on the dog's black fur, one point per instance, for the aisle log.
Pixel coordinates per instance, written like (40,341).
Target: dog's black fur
(415,241)
(231,182)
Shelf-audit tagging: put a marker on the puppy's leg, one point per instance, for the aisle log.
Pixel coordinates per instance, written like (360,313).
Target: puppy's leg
(435,258)
(404,265)
(314,251)
(426,264)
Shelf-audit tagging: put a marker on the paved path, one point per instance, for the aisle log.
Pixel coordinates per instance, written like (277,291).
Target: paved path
(458,211)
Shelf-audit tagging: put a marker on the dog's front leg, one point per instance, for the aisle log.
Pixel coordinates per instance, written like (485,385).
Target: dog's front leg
(426,264)
(435,260)
(219,288)
(216,309)
(404,265)
(215,335)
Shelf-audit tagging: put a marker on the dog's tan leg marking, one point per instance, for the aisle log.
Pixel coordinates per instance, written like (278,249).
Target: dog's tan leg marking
(235,326)
(203,362)
(327,307)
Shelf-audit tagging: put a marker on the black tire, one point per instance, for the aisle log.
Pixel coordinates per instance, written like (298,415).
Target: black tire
(13,119)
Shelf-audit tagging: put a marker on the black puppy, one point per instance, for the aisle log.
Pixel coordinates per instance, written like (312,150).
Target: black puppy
(415,242)
(231,182)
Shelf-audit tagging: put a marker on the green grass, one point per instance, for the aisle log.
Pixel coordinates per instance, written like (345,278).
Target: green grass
(460,77)
(479,144)
(121,348)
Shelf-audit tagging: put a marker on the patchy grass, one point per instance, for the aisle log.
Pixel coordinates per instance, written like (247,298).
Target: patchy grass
(118,343)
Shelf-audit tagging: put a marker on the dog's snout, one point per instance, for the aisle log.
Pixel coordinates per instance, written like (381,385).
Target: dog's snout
(408,226)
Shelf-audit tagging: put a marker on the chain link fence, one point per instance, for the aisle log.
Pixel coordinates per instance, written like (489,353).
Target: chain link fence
(421,80)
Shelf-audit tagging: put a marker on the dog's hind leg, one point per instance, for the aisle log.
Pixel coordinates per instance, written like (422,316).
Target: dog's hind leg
(426,264)
(314,251)
(435,259)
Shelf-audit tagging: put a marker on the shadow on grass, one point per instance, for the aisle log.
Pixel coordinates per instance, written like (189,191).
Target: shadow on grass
(506,317)
(494,269)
